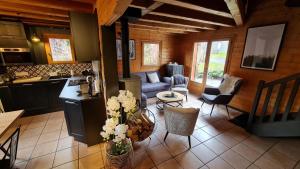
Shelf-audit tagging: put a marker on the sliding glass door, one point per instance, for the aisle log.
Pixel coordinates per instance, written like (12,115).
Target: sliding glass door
(209,62)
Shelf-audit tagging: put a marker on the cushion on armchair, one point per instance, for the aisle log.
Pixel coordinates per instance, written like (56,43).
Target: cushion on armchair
(179,79)
(228,84)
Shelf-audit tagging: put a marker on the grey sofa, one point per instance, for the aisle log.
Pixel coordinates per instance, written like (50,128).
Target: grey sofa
(150,89)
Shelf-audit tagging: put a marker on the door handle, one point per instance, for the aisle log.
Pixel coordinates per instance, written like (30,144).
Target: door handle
(70,102)
(27,84)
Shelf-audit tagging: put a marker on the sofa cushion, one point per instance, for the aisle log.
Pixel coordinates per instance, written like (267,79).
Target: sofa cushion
(149,87)
(142,75)
(153,77)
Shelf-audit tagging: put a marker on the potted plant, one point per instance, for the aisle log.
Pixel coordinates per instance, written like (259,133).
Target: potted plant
(115,130)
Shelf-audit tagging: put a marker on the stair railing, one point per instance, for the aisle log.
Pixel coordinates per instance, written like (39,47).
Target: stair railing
(270,86)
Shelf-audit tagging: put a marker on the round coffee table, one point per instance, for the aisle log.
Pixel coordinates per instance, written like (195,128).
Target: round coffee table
(164,98)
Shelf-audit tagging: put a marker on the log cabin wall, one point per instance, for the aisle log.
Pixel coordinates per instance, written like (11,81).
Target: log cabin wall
(166,54)
(266,12)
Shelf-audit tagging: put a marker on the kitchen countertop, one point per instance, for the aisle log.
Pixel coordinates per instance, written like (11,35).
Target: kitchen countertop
(44,79)
(70,92)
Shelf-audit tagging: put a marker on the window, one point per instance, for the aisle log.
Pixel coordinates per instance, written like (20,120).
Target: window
(210,70)
(59,49)
(151,53)
(200,49)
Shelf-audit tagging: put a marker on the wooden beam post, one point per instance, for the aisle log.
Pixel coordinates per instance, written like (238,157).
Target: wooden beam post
(125,47)
(237,10)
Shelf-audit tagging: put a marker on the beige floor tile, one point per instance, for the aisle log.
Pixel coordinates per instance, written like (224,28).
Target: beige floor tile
(47,137)
(32,132)
(201,135)
(194,141)
(175,145)
(159,154)
(63,134)
(93,161)
(276,158)
(288,148)
(297,166)
(43,162)
(65,156)
(235,160)
(238,133)
(154,141)
(27,142)
(24,154)
(69,165)
(170,164)
(33,125)
(223,125)
(200,123)
(253,166)
(259,144)
(43,149)
(247,152)
(142,161)
(66,142)
(219,163)
(211,130)
(52,127)
(226,139)
(21,165)
(203,153)
(216,146)
(188,160)
(204,167)
(40,118)
(84,150)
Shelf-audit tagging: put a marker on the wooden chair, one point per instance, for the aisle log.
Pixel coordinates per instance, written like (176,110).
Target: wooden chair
(9,148)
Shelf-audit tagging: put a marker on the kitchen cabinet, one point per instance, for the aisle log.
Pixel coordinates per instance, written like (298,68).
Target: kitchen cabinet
(84,31)
(37,97)
(74,119)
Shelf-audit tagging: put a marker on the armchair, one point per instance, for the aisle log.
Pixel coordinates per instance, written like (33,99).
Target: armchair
(222,95)
(180,84)
(180,121)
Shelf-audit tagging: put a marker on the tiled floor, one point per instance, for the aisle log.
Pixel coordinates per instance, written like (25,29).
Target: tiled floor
(216,144)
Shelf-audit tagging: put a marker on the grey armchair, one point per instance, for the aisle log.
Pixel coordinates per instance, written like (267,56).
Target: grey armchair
(180,121)
(180,84)
(214,96)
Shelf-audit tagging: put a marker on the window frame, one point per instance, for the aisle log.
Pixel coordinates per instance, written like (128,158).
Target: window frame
(48,48)
(207,57)
(159,52)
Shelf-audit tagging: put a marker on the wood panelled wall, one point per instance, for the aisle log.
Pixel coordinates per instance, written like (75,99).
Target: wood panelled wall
(167,50)
(266,12)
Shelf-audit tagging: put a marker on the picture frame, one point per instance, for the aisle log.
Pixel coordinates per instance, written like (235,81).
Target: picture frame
(262,46)
(131,49)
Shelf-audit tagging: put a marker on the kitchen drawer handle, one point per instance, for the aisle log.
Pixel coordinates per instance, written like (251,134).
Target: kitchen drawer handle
(27,84)
(55,82)
(70,102)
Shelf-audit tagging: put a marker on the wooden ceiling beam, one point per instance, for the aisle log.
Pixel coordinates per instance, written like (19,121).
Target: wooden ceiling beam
(237,10)
(57,4)
(46,24)
(34,16)
(32,9)
(195,7)
(192,15)
(151,8)
(167,26)
(156,29)
(177,22)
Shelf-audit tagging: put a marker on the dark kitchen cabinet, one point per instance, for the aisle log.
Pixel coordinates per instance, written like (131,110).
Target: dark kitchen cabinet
(74,119)
(55,87)
(30,96)
(84,30)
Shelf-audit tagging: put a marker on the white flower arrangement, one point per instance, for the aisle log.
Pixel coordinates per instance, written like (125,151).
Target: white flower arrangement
(113,130)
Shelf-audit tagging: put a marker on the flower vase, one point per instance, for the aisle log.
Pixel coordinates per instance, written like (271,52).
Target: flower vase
(118,161)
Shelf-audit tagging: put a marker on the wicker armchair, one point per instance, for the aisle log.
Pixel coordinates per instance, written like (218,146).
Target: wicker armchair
(180,121)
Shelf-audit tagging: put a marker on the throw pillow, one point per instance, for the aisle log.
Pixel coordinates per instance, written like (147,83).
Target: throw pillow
(227,86)
(178,79)
(153,77)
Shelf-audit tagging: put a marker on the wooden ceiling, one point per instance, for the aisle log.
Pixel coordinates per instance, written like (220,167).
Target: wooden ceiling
(44,12)
(174,16)
(190,15)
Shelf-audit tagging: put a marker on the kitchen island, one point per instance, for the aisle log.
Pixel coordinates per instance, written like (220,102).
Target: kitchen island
(84,115)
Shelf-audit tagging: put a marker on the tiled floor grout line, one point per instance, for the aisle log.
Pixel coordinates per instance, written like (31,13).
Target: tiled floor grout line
(35,143)
(57,142)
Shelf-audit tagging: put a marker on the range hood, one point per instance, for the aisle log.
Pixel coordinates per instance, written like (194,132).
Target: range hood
(12,36)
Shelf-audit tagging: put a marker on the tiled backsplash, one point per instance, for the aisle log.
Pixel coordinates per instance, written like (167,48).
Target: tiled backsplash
(44,70)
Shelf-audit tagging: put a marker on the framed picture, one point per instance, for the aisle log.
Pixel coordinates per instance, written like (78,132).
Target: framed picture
(131,49)
(262,47)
